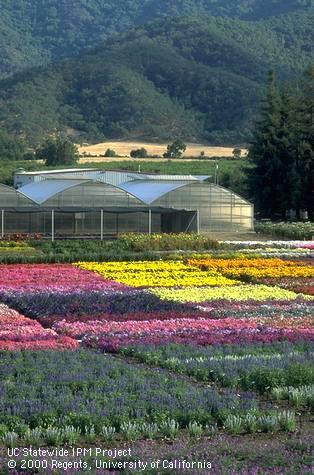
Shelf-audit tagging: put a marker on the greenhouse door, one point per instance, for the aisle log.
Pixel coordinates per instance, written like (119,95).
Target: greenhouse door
(179,222)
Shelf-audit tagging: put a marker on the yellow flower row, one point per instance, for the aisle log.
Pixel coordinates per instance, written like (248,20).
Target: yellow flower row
(255,268)
(156,274)
(239,292)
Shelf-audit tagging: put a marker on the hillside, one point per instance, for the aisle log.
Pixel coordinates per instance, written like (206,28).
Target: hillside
(195,77)
(34,32)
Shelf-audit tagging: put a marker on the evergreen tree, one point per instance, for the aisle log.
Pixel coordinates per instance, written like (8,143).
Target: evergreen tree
(291,184)
(305,132)
(265,152)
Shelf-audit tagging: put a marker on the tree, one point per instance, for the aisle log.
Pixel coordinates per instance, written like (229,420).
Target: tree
(175,150)
(11,148)
(237,152)
(266,175)
(59,151)
(305,134)
(110,153)
(139,153)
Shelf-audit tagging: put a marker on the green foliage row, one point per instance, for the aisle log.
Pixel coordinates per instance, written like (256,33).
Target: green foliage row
(298,397)
(126,248)
(296,230)
(246,368)
(166,242)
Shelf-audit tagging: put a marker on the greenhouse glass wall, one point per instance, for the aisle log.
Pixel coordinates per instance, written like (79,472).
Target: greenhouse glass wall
(89,202)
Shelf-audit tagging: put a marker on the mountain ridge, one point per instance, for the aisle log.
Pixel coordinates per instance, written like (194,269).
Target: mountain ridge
(36,32)
(198,78)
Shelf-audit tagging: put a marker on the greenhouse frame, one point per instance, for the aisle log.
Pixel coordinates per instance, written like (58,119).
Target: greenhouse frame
(99,203)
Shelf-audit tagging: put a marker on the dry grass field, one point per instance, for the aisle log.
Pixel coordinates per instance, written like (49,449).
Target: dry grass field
(124,148)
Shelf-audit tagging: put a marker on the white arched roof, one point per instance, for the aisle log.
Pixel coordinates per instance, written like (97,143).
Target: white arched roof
(146,191)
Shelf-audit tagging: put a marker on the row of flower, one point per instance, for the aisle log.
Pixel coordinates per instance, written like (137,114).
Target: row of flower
(255,268)
(239,293)
(156,274)
(218,309)
(131,327)
(53,277)
(304,253)
(253,367)
(253,308)
(271,245)
(113,342)
(18,332)
(298,285)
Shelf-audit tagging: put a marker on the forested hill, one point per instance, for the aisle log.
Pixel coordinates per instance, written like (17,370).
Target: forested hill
(34,32)
(196,77)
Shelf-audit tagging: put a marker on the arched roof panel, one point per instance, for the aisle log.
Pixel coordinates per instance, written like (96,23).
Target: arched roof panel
(11,198)
(150,191)
(41,191)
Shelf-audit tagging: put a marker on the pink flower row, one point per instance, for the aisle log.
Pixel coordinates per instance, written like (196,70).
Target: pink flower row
(53,277)
(18,332)
(80,329)
(121,317)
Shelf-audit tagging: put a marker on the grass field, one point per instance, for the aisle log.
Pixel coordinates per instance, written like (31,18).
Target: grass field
(124,149)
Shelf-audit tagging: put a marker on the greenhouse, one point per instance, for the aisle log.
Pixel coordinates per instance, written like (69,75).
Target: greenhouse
(98,203)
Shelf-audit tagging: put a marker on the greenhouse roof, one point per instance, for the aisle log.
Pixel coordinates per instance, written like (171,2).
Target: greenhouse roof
(145,187)
(149,191)
(41,191)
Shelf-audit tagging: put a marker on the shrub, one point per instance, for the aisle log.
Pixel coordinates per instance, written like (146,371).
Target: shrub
(53,436)
(233,424)
(110,153)
(33,437)
(170,428)
(139,153)
(130,430)
(9,439)
(195,429)
(108,432)
(70,435)
(149,430)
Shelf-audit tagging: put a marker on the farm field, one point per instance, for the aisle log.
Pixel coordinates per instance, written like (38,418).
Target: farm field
(124,149)
(207,358)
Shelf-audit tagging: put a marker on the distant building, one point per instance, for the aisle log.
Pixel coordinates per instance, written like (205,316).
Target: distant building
(80,202)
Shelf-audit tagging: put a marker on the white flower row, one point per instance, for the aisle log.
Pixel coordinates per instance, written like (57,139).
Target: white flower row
(274,244)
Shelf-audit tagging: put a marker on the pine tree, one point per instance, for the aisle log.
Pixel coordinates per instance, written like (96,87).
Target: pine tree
(266,178)
(291,184)
(306,142)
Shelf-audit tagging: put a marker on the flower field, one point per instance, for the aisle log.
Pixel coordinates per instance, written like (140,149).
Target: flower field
(232,340)
(116,304)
